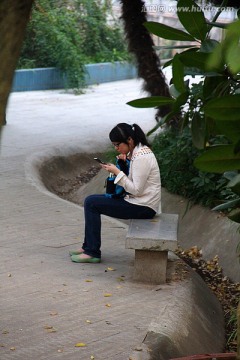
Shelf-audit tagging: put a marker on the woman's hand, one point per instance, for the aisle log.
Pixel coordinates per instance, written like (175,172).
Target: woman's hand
(122,157)
(111,168)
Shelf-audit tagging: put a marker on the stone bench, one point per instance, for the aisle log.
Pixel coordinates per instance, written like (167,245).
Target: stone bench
(152,239)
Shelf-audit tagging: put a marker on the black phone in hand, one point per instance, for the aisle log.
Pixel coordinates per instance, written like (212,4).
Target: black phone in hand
(99,161)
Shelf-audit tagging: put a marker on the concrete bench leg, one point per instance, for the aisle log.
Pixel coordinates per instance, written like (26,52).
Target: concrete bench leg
(150,266)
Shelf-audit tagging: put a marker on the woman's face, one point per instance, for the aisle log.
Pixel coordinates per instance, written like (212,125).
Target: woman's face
(121,147)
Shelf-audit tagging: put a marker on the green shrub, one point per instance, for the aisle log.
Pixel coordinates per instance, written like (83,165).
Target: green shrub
(175,154)
(70,34)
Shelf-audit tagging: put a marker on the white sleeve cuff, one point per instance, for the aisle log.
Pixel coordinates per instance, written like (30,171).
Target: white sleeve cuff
(119,177)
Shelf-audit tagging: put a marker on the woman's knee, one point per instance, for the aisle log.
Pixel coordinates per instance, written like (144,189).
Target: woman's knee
(91,200)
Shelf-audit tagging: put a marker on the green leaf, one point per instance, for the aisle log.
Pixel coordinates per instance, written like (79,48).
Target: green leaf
(198,130)
(173,91)
(167,63)
(228,51)
(150,102)
(218,159)
(166,118)
(228,205)
(180,101)
(208,45)
(178,74)
(234,215)
(231,129)
(234,184)
(234,28)
(167,32)
(237,146)
(212,85)
(224,108)
(216,59)
(192,18)
(232,48)
(232,57)
(171,47)
(194,59)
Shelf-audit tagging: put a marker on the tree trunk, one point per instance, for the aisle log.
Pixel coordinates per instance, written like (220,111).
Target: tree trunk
(14,15)
(140,43)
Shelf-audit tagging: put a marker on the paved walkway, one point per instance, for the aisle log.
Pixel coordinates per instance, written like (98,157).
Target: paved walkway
(49,304)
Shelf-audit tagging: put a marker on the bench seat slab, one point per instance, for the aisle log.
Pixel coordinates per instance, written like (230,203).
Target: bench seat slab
(157,234)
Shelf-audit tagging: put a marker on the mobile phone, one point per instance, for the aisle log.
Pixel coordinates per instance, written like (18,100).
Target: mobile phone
(100,161)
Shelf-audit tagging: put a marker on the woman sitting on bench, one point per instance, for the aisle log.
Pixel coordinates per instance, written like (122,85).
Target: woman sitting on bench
(142,190)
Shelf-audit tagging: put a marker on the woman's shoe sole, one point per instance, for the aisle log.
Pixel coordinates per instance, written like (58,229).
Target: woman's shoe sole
(77,259)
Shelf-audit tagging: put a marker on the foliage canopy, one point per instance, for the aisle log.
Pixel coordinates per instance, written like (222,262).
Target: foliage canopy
(69,34)
(211,107)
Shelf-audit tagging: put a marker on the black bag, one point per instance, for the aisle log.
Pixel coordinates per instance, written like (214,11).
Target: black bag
(114,190)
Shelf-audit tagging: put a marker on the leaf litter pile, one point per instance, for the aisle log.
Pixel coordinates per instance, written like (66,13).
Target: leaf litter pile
(227,292)
(66,187)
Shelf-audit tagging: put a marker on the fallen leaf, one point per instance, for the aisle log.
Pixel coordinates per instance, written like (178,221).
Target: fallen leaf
(50,329)
(12,348)
(54,313)
(80,345)
(88,322)
(108,305)
(92,357)
(88,280)
(111,269)
(107,295)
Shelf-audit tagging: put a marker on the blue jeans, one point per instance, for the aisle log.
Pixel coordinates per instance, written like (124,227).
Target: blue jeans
(95,205)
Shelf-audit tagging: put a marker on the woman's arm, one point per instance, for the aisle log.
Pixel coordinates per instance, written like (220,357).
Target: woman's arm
(140,169)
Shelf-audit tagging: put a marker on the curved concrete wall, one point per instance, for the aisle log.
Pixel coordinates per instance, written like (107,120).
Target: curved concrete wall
(189,322)
(188,318)
(209,230)
(198,226)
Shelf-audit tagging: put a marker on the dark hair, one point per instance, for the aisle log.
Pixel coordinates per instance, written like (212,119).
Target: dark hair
(121,133)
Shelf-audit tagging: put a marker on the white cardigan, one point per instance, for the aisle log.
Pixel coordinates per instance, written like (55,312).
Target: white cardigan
(143,184)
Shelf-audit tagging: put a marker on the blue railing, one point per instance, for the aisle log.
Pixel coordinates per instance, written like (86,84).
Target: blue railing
(52,78)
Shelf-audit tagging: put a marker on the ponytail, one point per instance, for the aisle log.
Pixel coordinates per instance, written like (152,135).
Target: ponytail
(139,136)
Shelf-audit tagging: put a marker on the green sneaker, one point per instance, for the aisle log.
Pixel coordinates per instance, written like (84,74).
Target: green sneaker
(77,259)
